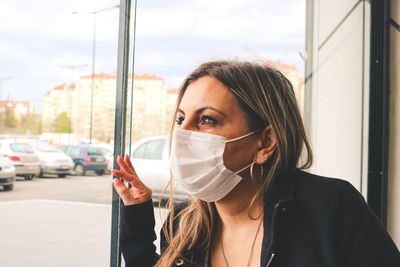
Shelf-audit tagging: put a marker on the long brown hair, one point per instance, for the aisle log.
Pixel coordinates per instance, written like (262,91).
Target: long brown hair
(267,97)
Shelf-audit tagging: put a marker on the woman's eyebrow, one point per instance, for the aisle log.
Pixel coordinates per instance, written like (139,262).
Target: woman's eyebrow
(200,110)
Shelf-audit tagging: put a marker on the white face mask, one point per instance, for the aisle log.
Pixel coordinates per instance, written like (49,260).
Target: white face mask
(196,162)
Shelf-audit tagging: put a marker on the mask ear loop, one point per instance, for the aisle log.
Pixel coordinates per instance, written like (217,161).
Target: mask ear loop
(240,137)
(251,171)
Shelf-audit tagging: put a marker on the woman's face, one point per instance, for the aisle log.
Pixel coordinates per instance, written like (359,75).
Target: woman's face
(209,106)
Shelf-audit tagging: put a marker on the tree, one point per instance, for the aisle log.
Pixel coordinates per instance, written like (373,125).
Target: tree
(62,123)
(31,124)
(10,120)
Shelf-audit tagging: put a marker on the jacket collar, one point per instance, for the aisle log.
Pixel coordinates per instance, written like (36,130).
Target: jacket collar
(280,192)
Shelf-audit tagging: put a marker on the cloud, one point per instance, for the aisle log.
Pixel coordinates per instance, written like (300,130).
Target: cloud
(221,4)
(55,19)
(203,19)
(172,37)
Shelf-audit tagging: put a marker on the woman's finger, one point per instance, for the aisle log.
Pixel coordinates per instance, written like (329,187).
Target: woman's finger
(128,162)
(124,166)
(124,175)
(123,192)
(131,178)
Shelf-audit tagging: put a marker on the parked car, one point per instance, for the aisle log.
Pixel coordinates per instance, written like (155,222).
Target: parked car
(107,151)
(7,173)
(86,158)
(150,160)
(52,160)
(25,161)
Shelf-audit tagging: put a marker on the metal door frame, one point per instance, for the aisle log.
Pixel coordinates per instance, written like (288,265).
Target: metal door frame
(120,120)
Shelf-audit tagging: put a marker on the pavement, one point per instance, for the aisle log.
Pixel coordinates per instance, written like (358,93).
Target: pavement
(92,189)
(49,233)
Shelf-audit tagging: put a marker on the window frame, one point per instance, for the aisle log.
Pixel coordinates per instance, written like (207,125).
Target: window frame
(120,120)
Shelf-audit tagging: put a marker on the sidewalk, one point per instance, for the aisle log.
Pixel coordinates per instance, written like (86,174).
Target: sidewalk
(53,233)
(50,233)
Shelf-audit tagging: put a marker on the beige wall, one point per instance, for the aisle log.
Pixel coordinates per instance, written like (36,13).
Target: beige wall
(338,97)
(337,113)
(394,134)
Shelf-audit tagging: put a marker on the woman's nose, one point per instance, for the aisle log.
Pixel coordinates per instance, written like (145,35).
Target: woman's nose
(188,124)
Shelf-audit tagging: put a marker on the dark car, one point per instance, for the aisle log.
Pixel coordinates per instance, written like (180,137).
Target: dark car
(86,158)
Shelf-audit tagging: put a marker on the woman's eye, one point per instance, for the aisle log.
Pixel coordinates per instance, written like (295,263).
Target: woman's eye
(179,120)
(207,120)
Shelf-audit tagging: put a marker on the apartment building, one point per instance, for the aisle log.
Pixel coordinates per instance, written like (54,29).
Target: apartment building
(152,106)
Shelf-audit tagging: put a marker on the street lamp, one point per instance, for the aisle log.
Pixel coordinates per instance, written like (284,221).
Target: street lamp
(5,105)
(72,68)
(94,13)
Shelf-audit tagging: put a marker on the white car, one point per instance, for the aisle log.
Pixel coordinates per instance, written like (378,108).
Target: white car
(7,173)
(150,159)
(25,161)
(52,160)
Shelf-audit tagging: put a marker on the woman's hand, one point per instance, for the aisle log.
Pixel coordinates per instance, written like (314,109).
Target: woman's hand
(138,193)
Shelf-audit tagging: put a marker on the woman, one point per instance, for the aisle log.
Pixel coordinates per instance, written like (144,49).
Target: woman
(236,149)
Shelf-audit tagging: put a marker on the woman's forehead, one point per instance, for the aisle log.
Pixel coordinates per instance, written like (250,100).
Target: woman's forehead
(207,91)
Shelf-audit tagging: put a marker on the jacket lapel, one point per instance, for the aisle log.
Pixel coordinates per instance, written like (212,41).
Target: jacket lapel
(280,192)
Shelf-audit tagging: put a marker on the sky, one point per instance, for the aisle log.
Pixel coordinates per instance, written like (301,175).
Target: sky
(39,38)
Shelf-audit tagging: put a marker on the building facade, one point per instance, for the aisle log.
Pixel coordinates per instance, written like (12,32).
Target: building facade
(18,108)
(55,102)
(152,107)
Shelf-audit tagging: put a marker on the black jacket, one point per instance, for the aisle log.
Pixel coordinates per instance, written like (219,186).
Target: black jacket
(308,221)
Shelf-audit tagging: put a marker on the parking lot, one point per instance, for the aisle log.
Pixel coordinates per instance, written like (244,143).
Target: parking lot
(57,222)
(90,188)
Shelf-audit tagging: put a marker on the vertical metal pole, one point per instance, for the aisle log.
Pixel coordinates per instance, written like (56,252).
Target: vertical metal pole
(72,68)
(309,45)
(379,109)
(120,120)
(132,79)
(70,106)
(92,89)
(94,13)
(2,115)
(362,100)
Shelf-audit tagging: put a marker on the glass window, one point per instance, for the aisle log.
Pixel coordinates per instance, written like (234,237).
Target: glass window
(105,151)
(154,149)
(94,151)
(57,100)
(74,151)
(43,147)
(164,53)
(140,151)
(62,148)
(150,150)
(72,100)
(21,148)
